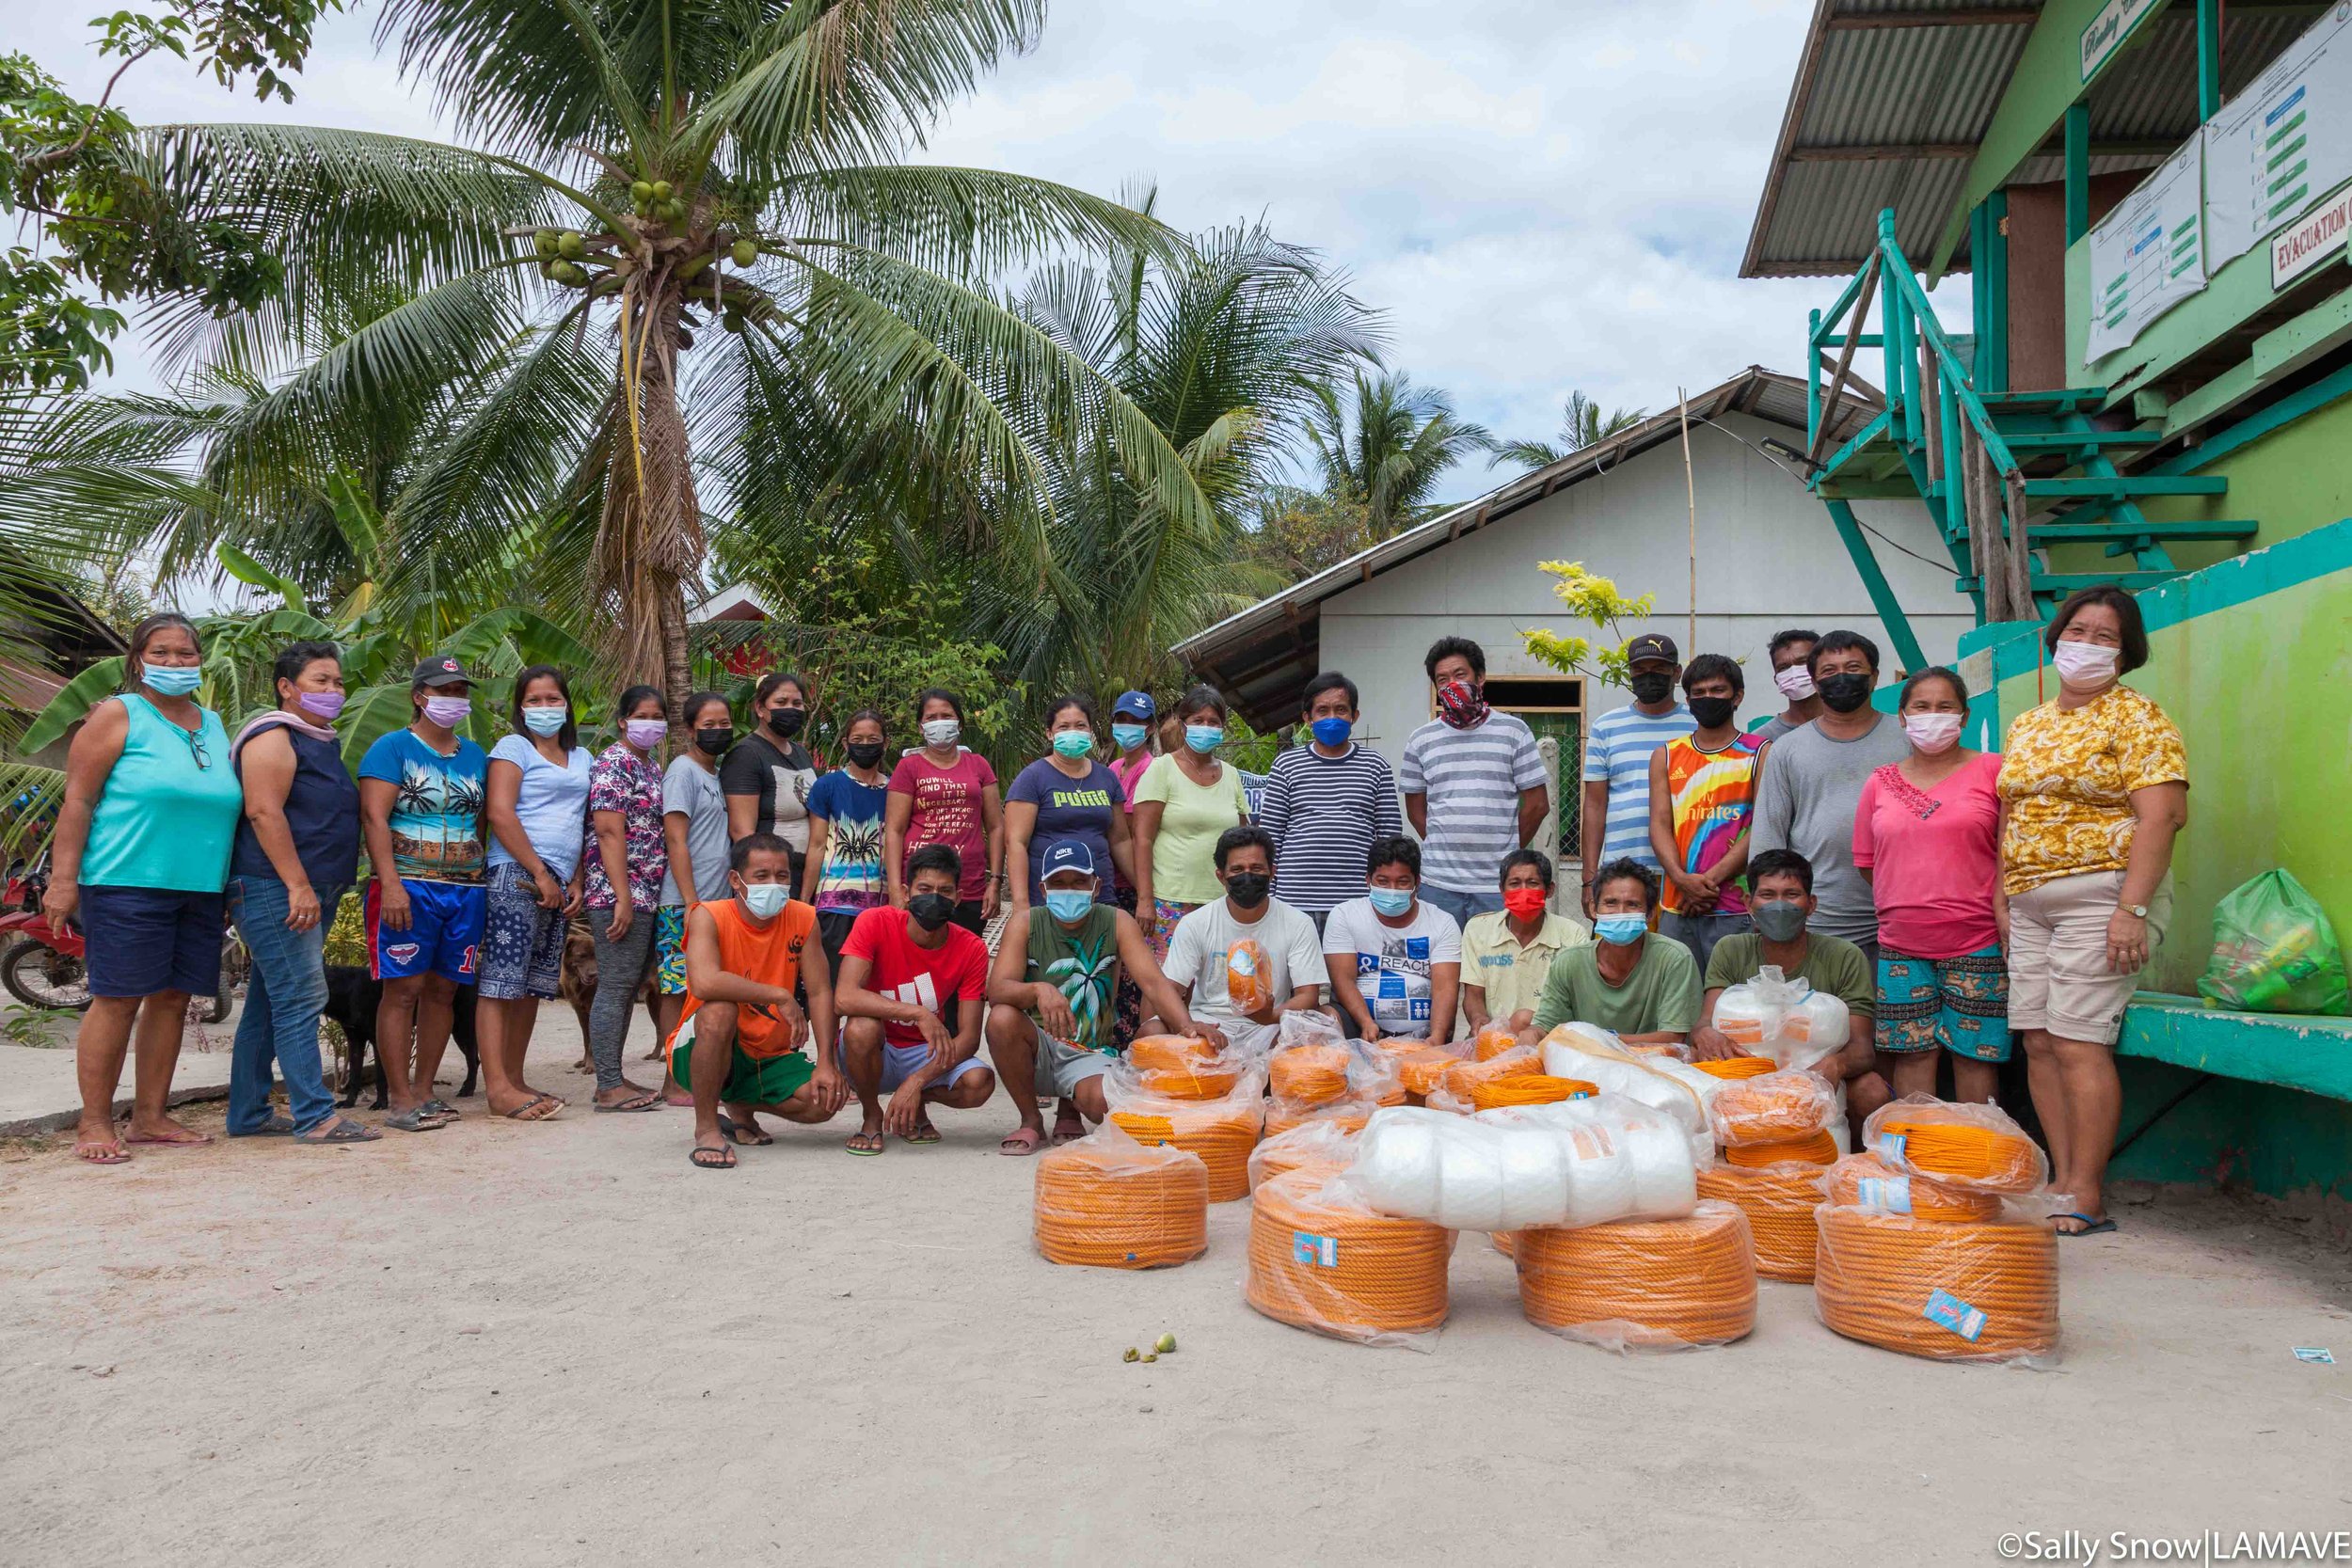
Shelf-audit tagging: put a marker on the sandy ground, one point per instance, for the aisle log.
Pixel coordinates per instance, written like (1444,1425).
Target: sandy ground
(562,1344)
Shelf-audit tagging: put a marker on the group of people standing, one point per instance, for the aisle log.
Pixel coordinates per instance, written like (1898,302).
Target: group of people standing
(1955,899)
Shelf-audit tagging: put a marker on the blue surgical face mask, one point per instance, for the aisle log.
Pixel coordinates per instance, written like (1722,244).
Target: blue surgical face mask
(1620,929)
(766,900)
(1072,743)
(1390,901)
(1204,738)
(1065,903)
(1128,736)
(1332,732)
(171,680)
(545,721)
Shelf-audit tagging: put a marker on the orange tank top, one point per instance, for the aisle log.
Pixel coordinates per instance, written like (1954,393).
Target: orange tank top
(770,956)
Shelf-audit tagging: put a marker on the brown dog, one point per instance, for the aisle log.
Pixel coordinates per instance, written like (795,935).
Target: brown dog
(578,987)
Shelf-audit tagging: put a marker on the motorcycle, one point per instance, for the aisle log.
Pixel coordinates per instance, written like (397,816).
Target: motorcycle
(41,964)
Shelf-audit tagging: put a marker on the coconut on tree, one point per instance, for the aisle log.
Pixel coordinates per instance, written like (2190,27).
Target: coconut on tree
(539,306)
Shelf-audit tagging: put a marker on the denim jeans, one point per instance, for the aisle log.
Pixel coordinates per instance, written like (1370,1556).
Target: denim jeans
(1701,932)
(1462,906)
(283,1002)
(621,969)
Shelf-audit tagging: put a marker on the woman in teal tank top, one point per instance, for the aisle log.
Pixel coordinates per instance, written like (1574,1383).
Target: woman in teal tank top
(141,855)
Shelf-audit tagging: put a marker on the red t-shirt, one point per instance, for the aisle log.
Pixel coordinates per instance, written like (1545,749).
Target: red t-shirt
(904,972)
(948,810)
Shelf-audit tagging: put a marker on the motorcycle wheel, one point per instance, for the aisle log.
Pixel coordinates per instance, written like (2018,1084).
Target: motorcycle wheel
(40,977)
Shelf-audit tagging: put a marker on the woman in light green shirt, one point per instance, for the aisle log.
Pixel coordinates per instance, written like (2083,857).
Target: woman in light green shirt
(1182,802)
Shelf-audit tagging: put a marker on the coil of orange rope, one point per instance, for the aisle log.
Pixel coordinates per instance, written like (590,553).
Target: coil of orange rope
(1324,1147)
(1323,1263)
(1309,1075)
(1419,1068)
(1221,1131)
(1815,1149)
(1493,1041)
(1779,1203)
(1348,1115)
(1866,1181)
(1210,1080)
(1642,1284)
(1737,1066)
(1164,1053)
(1106,1202)
(1951,1291)
(1528,1088)
(1977,1147)
(1772,1108)
(1462,1077)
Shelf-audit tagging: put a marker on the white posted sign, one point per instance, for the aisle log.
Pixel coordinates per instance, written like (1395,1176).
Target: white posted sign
(2282,143)
(2148,255)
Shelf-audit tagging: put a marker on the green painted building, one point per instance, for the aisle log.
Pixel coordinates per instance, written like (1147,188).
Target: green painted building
(2146,203)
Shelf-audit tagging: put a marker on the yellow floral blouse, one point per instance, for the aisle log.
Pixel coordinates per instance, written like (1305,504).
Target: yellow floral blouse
(2067,778)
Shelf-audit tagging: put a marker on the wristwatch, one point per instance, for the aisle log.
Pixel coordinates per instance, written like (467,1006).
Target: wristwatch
(2138,910)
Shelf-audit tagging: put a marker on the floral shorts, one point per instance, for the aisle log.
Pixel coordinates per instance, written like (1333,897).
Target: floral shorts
(669,950)
(522,940)
(1960,1004)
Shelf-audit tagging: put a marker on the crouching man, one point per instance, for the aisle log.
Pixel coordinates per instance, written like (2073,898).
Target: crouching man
(914,985)
(739,1041)
(1051,996)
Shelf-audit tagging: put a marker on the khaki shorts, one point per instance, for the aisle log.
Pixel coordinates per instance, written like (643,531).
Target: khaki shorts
(1062,1067)
(2059,978)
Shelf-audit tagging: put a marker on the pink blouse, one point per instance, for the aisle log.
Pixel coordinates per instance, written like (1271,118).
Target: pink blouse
(1934,859)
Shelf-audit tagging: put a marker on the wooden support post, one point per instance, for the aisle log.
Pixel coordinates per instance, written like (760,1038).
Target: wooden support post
(2020,603)
(1845,359)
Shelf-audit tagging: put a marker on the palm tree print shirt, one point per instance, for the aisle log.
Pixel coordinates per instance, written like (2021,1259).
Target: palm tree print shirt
(437,814)
(1083,963)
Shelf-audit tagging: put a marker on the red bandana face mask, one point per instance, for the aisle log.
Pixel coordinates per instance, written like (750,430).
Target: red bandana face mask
(1462,705)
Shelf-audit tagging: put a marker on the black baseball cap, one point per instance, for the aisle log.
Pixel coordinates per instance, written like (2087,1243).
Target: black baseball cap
(1651,645)
(440,669)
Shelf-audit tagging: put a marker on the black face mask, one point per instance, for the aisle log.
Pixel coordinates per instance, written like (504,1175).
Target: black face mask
(714,741)
(1843,693)
(866,752)
(786,721)
(1651,686)
(1247,889)
(1713,711)
(931,911)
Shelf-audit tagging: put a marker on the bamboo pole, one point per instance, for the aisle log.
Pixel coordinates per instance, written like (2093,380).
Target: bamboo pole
(1691,494)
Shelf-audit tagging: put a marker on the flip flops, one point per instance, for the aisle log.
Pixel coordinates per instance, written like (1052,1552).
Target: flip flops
(116,1158)
(412,1120)
(2091,1227)
(277,1127)
(750,1136)
(647,1102)
(712,1159)
(851,1146)
(342,1130)
(197,1142)
(924,1133)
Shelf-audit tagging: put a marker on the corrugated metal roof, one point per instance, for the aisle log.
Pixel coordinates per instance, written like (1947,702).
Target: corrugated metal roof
(1259,657)
(1931,89)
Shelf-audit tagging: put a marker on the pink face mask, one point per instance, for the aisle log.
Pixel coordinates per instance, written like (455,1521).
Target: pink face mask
(646,733)
(1795,683)
(448,712)
(1933,732)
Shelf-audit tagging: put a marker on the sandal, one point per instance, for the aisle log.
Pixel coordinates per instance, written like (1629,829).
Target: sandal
(441,1109)
(194,1140)
(720,1158)
(1022,1141)
(924,1133)
(864,1143)
(94,1153)
(2091,1227)
(747,1133)
(641,1103)
(539,1109)
(342,1130)
(277,1127)
(412,1120)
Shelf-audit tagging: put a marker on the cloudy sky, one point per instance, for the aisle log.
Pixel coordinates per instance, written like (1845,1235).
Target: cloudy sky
(1540,194)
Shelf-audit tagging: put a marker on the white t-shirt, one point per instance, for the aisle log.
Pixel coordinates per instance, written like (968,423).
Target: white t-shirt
(1195,954)
(1392,962)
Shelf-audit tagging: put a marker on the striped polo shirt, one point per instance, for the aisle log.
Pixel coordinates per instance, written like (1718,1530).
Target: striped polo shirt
(1323,813)
(1473,779)
(1618,750)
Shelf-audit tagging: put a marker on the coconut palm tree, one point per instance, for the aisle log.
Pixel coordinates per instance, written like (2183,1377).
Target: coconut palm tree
(1387,449)
(661,196)
(1582,424)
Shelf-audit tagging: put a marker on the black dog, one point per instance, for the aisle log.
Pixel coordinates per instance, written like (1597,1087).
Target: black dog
(352,998)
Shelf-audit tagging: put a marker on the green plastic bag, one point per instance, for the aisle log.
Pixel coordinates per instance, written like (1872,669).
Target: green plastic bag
(2274,952)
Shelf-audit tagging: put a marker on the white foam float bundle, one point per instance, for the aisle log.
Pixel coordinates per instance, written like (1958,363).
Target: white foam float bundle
(1678,1088)
(1574,1164)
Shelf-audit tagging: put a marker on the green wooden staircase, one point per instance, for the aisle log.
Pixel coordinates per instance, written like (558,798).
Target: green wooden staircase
(2005,476)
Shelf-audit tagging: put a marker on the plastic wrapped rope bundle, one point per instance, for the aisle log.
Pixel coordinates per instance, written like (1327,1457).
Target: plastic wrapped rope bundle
(1420,1068)
(1779,1204)
(1866,1181)
(1210,1080)
(1782,1018)
(1309,1075)
(1528,1088)
(1221,1131)
(1493,1041)
(1323,1147)
(1580,1050)
(1109,1202)
(1951,1291)
(1581,1161)
(1737,1066)
(1320,1260)
(1772,1108)
(1166,1053)
(1348,1115)
(1977,1147)
(1642,1284)
(1815,1149)
(1462,1077)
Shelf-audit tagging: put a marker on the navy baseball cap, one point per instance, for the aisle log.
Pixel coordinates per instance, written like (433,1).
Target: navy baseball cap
(1138,702)
(1066,855)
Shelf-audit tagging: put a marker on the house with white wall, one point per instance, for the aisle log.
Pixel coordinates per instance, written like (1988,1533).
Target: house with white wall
(1767,557)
